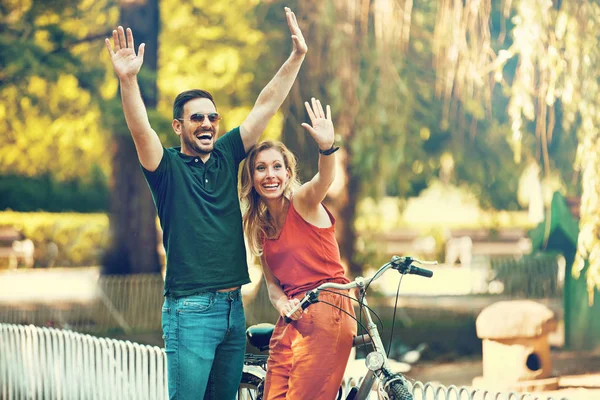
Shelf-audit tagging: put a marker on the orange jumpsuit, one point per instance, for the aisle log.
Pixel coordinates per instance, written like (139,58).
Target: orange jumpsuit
(308,357)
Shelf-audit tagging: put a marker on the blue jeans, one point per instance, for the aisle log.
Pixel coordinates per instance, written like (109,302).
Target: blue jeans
(205,343)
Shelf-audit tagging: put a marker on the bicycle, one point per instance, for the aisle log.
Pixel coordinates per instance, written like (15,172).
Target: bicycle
(392,386)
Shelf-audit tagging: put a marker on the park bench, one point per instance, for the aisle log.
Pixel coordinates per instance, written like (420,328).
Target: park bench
(406,241)
(14,247)
(463,244)
(504,242)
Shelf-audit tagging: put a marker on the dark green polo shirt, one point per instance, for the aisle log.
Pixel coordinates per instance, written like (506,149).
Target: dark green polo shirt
(200,215)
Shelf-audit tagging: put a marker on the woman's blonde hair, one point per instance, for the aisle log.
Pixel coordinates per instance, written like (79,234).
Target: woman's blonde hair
(258,223)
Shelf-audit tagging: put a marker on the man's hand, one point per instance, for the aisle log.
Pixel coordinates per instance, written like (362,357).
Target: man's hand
(322,126)
(124,60)
(272,96)
(127,65)
(300,47)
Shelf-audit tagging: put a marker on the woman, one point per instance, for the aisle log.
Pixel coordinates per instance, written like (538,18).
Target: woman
(294,234)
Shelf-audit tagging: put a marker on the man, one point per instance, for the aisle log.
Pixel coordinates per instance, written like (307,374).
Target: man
(194,187)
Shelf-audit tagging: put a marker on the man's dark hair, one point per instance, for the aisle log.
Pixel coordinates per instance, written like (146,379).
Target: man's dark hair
(186,96)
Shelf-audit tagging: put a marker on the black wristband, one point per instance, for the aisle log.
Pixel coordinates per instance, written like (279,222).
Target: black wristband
(329,151)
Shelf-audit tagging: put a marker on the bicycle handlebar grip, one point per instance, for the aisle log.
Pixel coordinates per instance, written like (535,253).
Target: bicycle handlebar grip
(427,273)
(304,306)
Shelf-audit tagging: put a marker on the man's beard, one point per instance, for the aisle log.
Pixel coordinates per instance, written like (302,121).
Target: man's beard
(193,145)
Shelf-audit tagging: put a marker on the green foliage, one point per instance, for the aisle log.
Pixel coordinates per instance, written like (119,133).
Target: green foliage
(81,238)
(57,99)
(44,192)
(205,45)
(48,87)
(486,164)
(32,40)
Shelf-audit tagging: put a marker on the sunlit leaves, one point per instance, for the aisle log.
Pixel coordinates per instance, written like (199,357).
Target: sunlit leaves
(65,125)
(582,54)
(52,123)
(205,45)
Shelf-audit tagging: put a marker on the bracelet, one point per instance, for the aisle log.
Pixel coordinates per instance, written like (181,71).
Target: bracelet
(330,150)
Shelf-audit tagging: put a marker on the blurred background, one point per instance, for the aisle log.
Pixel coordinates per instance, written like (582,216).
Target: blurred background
(469,135)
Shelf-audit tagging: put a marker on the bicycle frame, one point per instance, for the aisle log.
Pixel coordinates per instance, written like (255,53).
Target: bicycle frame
(376,361)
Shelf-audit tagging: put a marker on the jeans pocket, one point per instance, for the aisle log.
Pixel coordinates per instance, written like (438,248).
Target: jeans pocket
(166,322)
(197,303)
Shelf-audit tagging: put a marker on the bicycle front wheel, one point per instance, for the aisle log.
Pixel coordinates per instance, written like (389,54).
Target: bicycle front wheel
(396,390)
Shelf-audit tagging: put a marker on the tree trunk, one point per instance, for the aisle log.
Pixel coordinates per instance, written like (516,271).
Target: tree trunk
(132,212)
(333,58)
(346,217)
(343,198)
(308,84)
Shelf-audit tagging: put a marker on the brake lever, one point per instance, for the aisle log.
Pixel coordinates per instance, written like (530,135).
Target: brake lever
(424,262)
(407,261)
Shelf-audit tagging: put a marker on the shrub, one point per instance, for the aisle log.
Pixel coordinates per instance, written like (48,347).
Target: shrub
(81,239)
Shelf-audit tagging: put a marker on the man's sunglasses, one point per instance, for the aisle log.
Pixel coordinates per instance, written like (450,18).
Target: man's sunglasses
(199,117)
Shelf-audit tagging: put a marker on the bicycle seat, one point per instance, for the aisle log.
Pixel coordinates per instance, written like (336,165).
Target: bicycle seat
(259,335)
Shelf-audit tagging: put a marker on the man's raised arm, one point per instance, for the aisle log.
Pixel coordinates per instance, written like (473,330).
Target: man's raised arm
(127,65)
(273,95)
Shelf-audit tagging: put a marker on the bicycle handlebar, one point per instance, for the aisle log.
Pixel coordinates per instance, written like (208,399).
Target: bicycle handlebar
(404,265)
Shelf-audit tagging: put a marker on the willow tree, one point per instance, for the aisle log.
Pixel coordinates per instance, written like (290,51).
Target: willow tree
(357,63)
(555,47)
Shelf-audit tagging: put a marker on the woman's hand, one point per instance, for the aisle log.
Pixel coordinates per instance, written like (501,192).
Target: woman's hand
(285,305)
(322,126)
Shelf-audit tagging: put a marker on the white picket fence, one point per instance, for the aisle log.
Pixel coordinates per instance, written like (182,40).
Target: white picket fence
(47,363)
(428,391)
